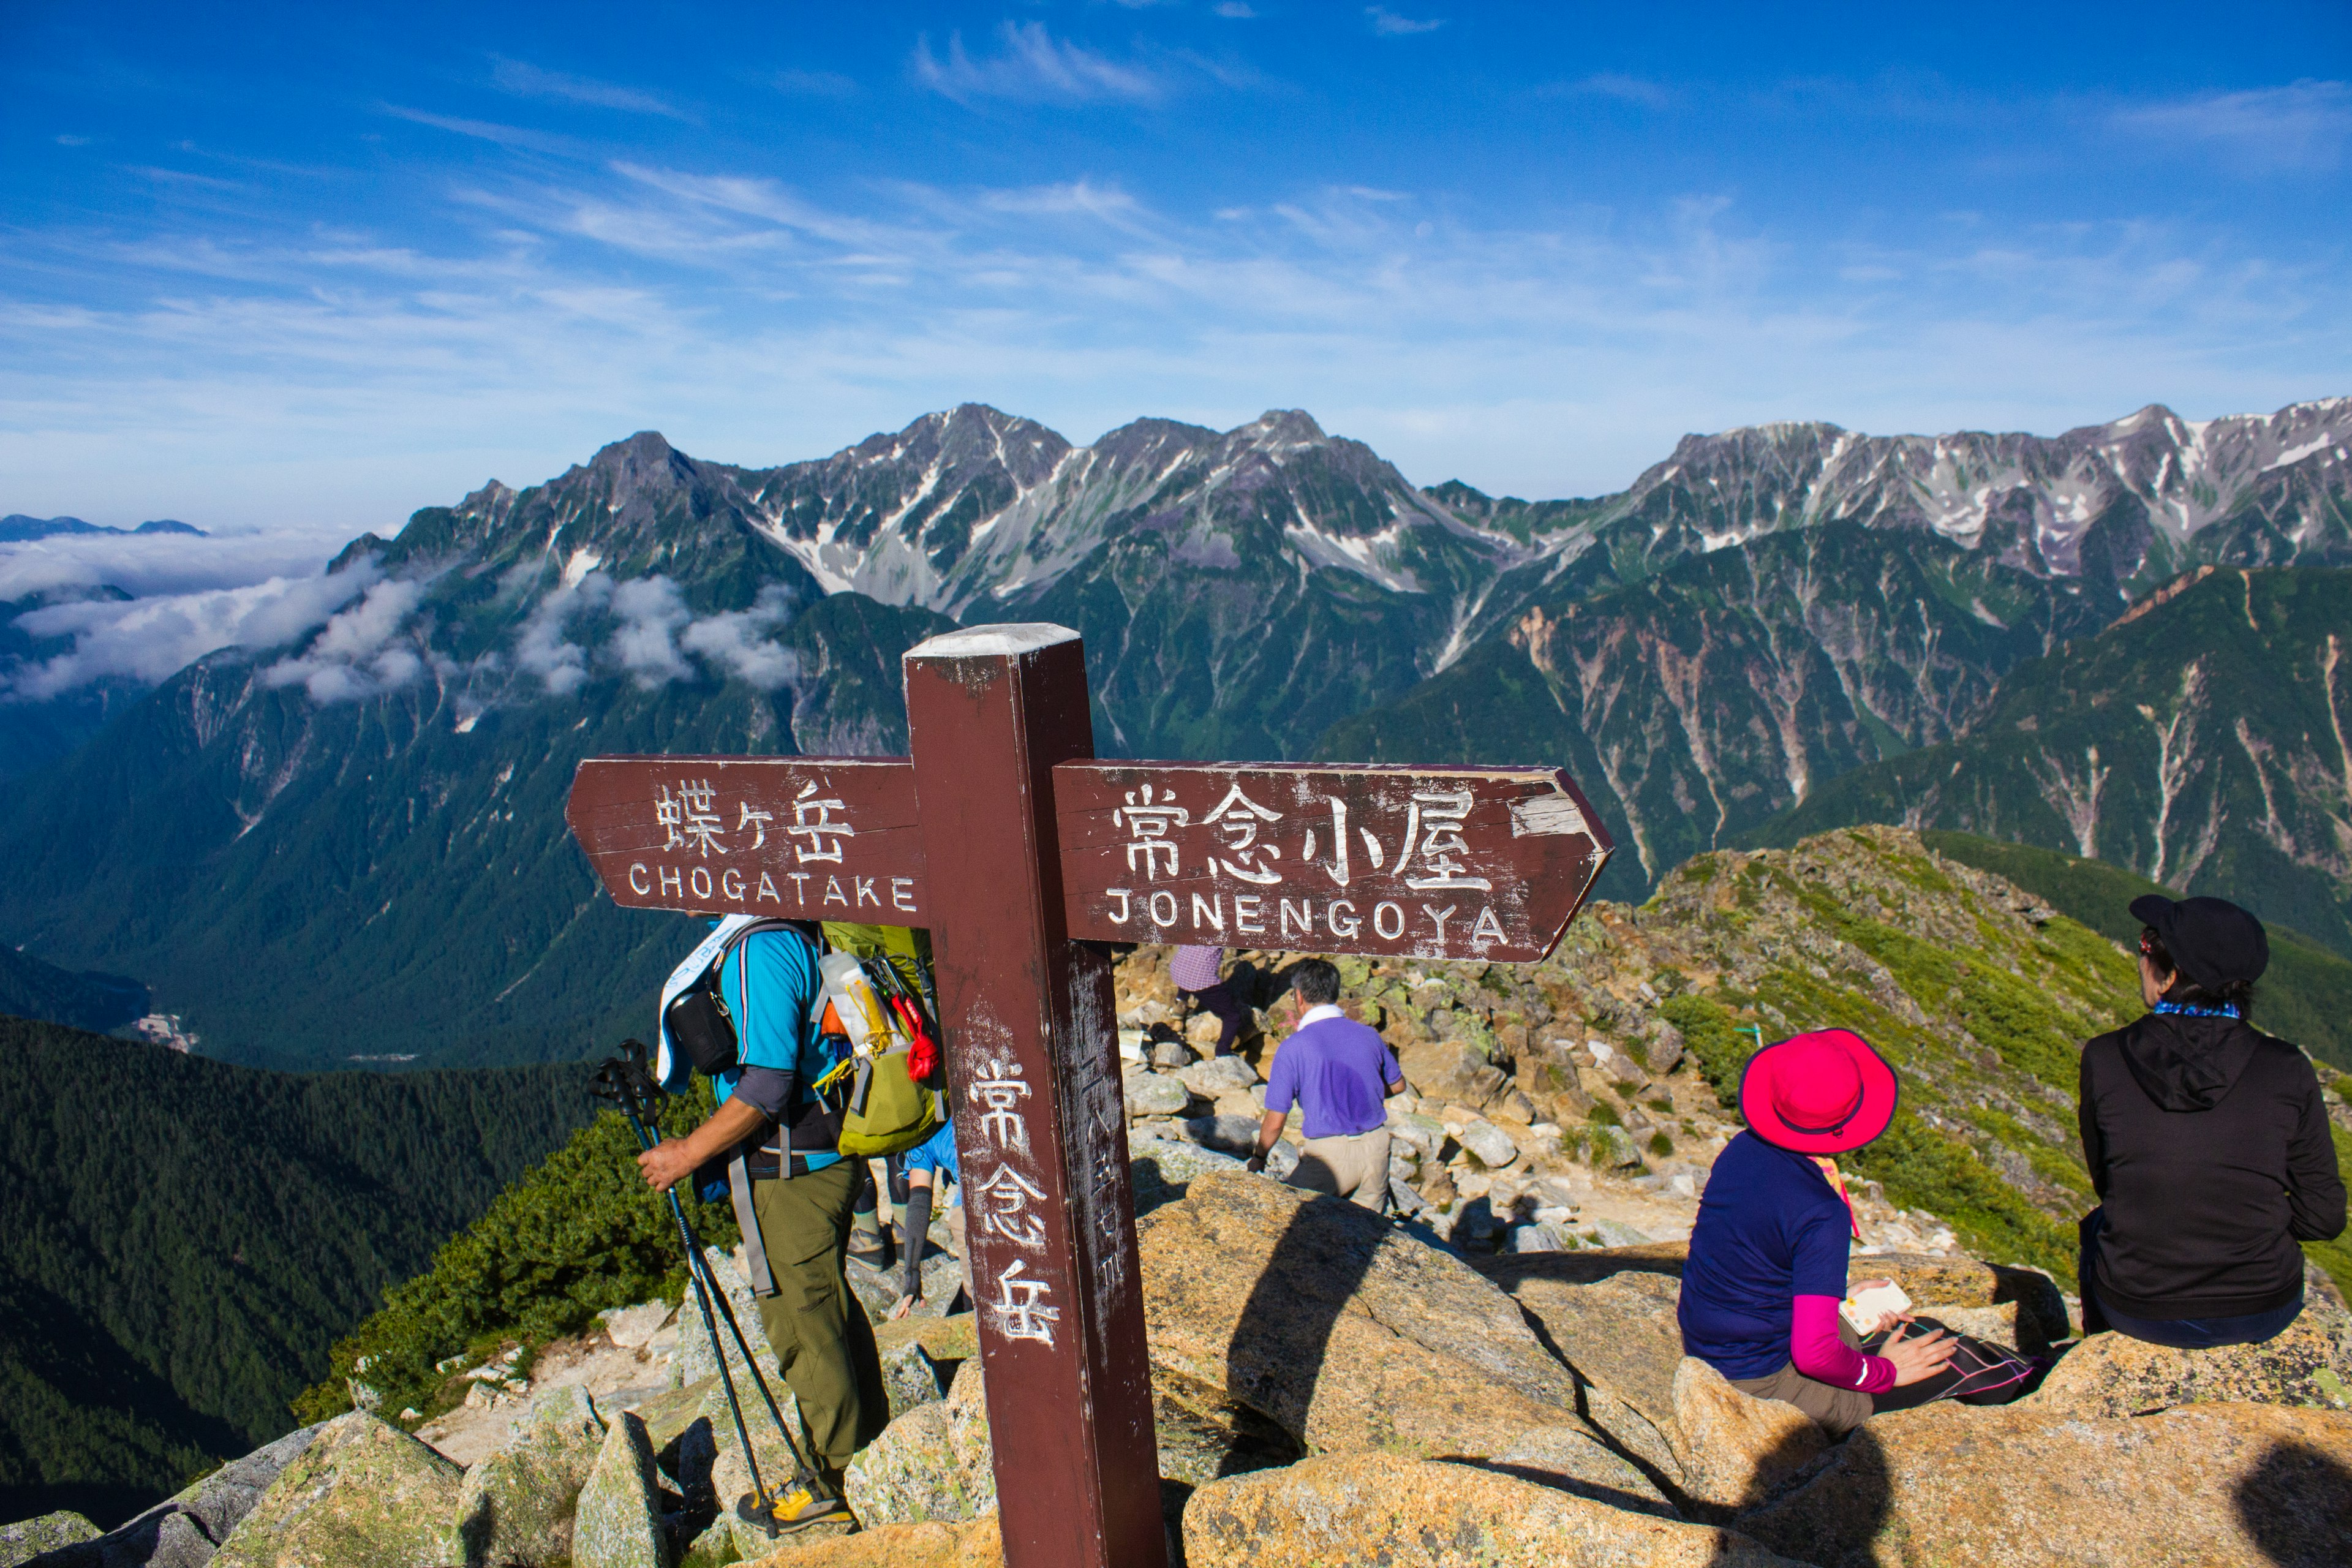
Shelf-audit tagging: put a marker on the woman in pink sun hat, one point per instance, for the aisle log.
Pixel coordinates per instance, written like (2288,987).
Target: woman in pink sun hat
(1767,1273)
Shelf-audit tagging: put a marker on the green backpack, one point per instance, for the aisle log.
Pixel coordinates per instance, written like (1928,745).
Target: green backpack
(875,995)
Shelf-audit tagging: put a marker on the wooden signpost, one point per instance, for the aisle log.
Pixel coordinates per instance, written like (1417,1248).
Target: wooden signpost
(1020,851)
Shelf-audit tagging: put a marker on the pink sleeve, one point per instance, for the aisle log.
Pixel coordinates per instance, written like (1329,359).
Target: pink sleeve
(1819,1353)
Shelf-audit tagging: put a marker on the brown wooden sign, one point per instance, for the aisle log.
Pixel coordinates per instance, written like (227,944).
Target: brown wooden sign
(1468,863)
(1019,850)
(803,837)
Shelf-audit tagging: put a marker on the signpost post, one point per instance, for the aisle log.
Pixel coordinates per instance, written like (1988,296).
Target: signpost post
(1019,850)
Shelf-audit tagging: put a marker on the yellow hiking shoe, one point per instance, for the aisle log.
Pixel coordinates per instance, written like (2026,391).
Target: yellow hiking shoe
(805,1505)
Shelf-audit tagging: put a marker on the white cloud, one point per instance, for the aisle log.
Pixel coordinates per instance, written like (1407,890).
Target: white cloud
(541,648)
(2302,125)
(363,651)
(1034,66)
(651,610)
(527,80)
(1615,84)
(732,641)
(151,639)
(1239,10)
(1389,25)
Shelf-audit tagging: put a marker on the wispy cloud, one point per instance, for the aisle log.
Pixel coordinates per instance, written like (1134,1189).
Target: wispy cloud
(1238,10)
(1032,65)
(1615,84)
(1389,25)
(527,81)
(2303,125)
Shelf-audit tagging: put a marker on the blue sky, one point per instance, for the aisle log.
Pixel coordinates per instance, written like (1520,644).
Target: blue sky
(304,271)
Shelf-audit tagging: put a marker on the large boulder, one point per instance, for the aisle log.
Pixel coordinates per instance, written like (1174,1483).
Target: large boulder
(1450,1071)
(1408,1514)
(932,1463)
(515,1508)
(2113,1374)
(1965,1487)
(27,1539)
(619,1521)
(1618,1335)
(1569,1457)
(970,1544)
(361,1494)
(1345,1332)
(1155,1094)
(185,1530)
(1737,1450)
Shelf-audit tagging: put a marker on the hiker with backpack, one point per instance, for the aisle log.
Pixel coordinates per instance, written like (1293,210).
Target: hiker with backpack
(2207,1141)
(1765,1299)
(811,1076)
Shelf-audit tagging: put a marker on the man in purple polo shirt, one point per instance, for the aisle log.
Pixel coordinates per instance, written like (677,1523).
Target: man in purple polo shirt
(1338,1072)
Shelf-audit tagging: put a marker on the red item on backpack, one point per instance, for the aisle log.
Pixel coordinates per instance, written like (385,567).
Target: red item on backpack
(923,1051)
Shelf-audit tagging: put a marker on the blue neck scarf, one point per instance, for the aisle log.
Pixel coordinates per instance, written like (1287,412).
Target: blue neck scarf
(2191,1010)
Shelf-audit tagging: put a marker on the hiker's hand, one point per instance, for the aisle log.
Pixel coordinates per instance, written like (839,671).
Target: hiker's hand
(665,1164)
(1254,1163)
(1917,1360)
(904,1305)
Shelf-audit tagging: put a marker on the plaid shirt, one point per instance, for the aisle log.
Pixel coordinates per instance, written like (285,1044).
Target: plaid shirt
(1195,968)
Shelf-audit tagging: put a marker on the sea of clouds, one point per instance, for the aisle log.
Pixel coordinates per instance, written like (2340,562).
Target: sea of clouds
(350,633)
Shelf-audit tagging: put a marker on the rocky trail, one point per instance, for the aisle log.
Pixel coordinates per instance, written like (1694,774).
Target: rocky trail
(1491,1374)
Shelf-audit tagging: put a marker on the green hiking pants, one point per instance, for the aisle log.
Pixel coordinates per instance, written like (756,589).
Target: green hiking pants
(820,1334)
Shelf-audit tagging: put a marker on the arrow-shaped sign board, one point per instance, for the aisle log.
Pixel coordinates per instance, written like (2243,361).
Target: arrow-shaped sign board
(1018,849)
(1465,863)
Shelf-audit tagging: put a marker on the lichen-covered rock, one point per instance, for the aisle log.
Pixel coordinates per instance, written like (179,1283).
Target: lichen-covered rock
(970,1544)
(932,1463)
(361,1494)
(1345,1332)
(2113,1374)
(515,1508)
(1620,1337)
(619,1521)
(694,1361)
(184,1531)
(27,1539)
(1163,1168)
(1339,1510)
(1568,1456)
(1216,1077)
(1958,1487)
(1155,1094)
(1737,1450)
(911,1376)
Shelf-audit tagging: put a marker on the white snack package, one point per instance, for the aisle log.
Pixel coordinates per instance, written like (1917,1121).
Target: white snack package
(1863,1307)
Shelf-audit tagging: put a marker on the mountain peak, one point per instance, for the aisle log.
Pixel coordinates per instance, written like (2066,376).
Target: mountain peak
(1283,427)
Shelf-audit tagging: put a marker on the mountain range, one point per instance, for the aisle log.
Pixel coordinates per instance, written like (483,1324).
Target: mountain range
(17,528)
(351,846)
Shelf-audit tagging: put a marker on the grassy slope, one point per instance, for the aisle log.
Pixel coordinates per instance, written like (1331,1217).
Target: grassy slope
(186,1238)
(2306,997)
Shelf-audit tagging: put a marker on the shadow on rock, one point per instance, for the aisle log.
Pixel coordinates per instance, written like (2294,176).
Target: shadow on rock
(2296,1507)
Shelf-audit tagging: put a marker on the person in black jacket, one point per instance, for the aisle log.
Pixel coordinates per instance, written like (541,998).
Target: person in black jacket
(2208,1143)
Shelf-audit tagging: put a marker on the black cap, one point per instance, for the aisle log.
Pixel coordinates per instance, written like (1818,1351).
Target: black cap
(2212,942)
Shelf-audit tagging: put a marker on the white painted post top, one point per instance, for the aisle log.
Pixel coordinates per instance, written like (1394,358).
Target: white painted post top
(1014,638)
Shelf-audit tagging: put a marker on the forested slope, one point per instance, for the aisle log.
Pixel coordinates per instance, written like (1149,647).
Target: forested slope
(185,1239)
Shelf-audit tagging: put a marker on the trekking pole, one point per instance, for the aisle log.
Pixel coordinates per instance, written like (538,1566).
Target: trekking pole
(624,1081)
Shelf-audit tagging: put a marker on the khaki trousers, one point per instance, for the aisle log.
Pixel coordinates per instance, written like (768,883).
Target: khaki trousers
(823,1343)
(1837,1410)
(1354,1166)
